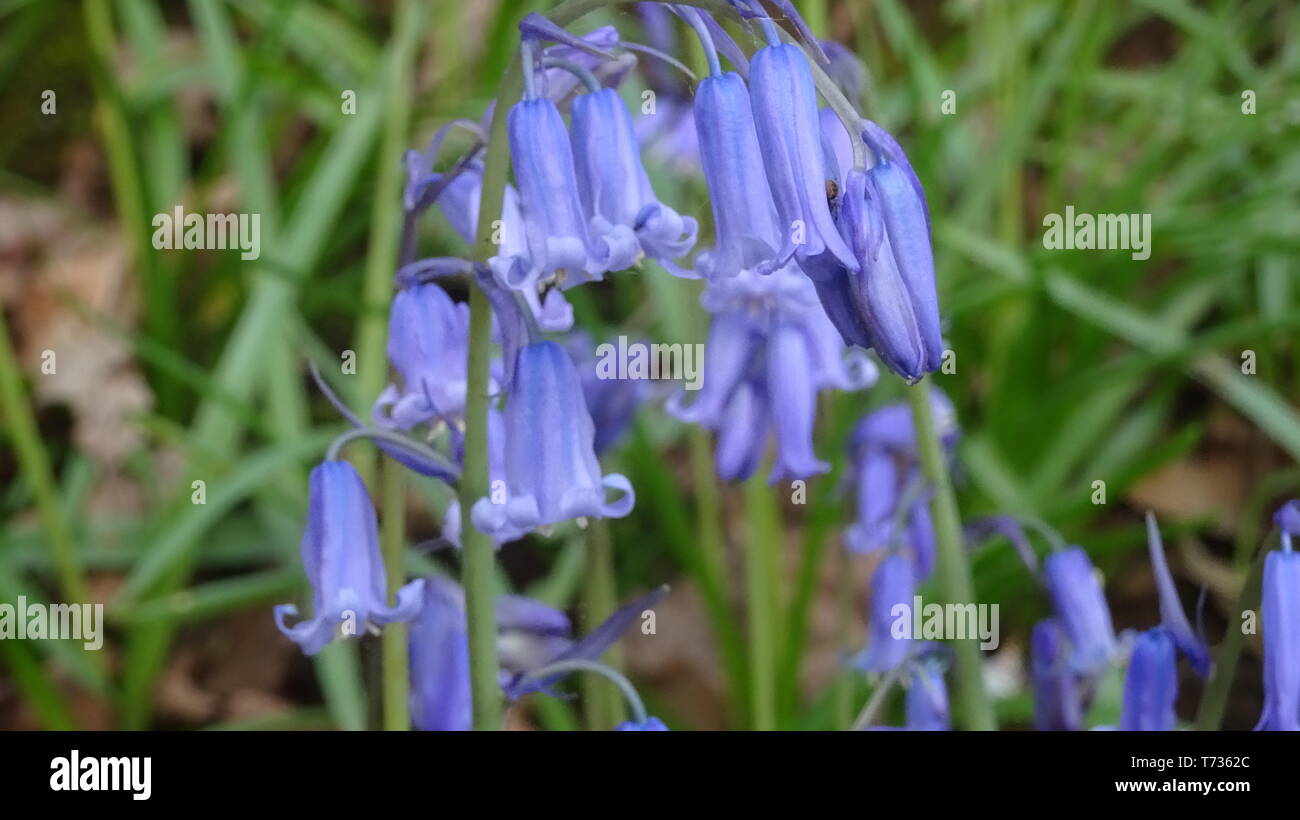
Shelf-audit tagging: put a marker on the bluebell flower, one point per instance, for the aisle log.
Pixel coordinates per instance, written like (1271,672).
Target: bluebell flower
(839,144)
(1151,684)
(893,587)
(550,466)
(786,118)
(423,184)
(428,342)
(615,189)
(926,704)
(886,472)
(459,202)
(1280,614)
(441,699)
(560,243)
(1081,607)
(1057,687)
(770,350)
(891,303)
(496,446)
(747,230)
(651,724)
(340,553)
(529,633)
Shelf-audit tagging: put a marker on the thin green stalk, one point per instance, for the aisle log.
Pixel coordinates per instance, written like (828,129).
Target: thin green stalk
(602,707)
(953,568)
(843,610)
(478,555)
(763,606)
(24,436)
(1209,717)
(708,501)
(711,569)
(396,669)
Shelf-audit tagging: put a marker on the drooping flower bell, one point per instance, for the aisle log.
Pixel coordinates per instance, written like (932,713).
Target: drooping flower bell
(889,631)
(747,230)
(786,118)
(770,350)
(613,184)
(428,340)
(927,696)
(1080,605)
(1151,684)
(1280,614)
(1057,687)
(555,225)
(529,633)
(340,553)
(890,488)
(891,304)
(550,467)
(441,698)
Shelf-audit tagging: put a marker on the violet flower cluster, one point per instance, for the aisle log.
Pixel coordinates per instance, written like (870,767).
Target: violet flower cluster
(820,253)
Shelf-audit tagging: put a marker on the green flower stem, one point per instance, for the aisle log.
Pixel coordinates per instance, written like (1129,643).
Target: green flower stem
(763,604)
(385,254)
(396,666)
(1209,717)
(843,681)
(24,436)
(973,710)
(478,555)
(601,706)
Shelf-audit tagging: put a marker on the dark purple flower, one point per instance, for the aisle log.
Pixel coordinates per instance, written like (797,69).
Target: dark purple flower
(550,466)
(1151,684)
(340,553)
(1081,607)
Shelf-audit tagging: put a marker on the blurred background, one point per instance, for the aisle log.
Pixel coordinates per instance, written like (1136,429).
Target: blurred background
(1173,380)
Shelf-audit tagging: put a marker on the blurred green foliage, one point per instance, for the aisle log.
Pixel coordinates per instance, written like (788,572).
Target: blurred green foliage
(1072,366)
